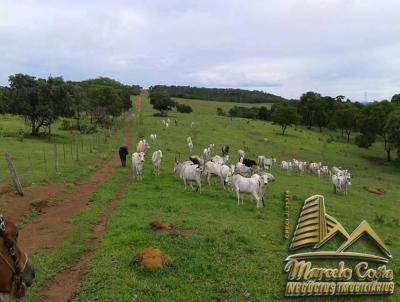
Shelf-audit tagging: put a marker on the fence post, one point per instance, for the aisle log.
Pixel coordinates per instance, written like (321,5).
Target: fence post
(77,151)
(14,176)
(64,152)
(55,158)
(72,154)
(286,215)
(45,161)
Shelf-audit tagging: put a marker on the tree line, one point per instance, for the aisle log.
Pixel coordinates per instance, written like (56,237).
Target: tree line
(42,101)
(162,101)
(219,94)
(369,121)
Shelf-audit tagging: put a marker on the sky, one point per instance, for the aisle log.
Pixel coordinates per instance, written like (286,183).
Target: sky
(286,47)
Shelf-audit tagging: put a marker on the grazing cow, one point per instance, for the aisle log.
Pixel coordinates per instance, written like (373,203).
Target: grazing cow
(137,165)
(241,154)
(225,150)
(188,139)
(189,174)
(286,165)
(220,160)
(324,171)
(142,146)
(166,125)
(251,185)
(156,159)
(265,163)
(242,169)
(190,146)
(265,178)
(211,168)
(339,171)
(207,152)
(248,162)
(191,124)
(153,137)
(197,160)
(225,172)
(301,167)
(340,183)
(314,167)
(163,121)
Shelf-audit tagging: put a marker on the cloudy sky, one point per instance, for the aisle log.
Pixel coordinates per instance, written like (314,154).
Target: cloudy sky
(285,47)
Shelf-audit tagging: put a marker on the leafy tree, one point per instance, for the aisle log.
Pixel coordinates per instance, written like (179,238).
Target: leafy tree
(284,115)
(220,112)
(161,101)
(396,99)
(392,128)
(105,102)
(308,107)
(345,119)
(4,100)
(372,122)
(182,108)
(264,113)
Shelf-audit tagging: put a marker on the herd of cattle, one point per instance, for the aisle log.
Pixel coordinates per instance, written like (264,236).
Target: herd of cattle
(246,176)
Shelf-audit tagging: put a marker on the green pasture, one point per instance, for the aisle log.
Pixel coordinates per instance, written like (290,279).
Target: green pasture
(223,252)
(34,157)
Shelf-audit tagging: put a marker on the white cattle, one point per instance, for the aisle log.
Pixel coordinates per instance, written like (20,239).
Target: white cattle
(163,121)
(251,185)
(197,160)
(190,146)
(265,163)
(265,178)
(340,183)
(156,159)
(211,168)
(191,124)
(207,152)
(288,166)
(153,137)
(242,169)
(241,154)
(188,139)
(220,160)
(301,167)
(166,125)
(137,165)
(324,171)
(189,173)
(142,146)
(314,167)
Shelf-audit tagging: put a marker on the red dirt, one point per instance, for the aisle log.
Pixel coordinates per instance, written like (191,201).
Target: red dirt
(51,227)
(66,283)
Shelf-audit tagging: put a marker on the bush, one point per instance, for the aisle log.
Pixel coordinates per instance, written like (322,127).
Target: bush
(330,139)
(88,129)
(20,135)
(182,108)
(220,112)
(364,141)
(66,125)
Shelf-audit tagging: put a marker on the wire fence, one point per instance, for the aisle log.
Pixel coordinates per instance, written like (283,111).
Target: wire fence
(40,161)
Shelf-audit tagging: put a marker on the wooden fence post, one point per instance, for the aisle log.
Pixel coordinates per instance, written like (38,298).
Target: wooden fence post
(14,176)
(286,215)
(44,160)
(64,152)
(77,151)
(55,157)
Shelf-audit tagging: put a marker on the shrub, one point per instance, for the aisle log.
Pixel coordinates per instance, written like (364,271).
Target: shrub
(182,108)
(66,125)
(20,135)
(364,141)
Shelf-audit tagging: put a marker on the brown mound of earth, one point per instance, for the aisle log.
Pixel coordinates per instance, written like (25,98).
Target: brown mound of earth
(159,225)
(39,205)
(151,259)
(376,191)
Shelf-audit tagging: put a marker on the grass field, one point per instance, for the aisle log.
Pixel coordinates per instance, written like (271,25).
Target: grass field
(33,157)
(226,252)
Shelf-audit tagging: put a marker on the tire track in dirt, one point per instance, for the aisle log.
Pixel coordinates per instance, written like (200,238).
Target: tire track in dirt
(65,284)
(50,228)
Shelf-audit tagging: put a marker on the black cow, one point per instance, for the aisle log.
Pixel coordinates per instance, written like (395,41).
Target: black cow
(225,150)
(123,152)
(249,162)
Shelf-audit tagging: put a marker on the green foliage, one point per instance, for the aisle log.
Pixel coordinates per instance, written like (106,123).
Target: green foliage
(220,111)
(182,108)
(392,128)
(20,135)
(284,115)
(396,99)
(244,112)
(161,101)
(364,140)
(219,94)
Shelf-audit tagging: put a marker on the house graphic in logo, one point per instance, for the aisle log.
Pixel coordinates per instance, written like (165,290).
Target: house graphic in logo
(315,228)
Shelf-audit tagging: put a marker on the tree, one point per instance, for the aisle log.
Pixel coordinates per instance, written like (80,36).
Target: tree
(308,107)
(284,115)
(105,102)
(392,128)
(161,101)
(264,114)
(372,122)
(220,112)
(345,119)
(396,99)
(39,101)
(4,100)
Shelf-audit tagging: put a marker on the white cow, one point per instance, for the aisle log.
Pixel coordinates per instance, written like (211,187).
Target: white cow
(189,173)
(190,146)
(166,125)
(207,152)
(153,137)
(265,178)
(288,166)
(211,168)
(137,165)
(265,163)
(340,183)
(302,167)
(242,169)
(220,160)
(241,154)
(191,124)
(156,159)
(251,185)
(188,139)
(142,146)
